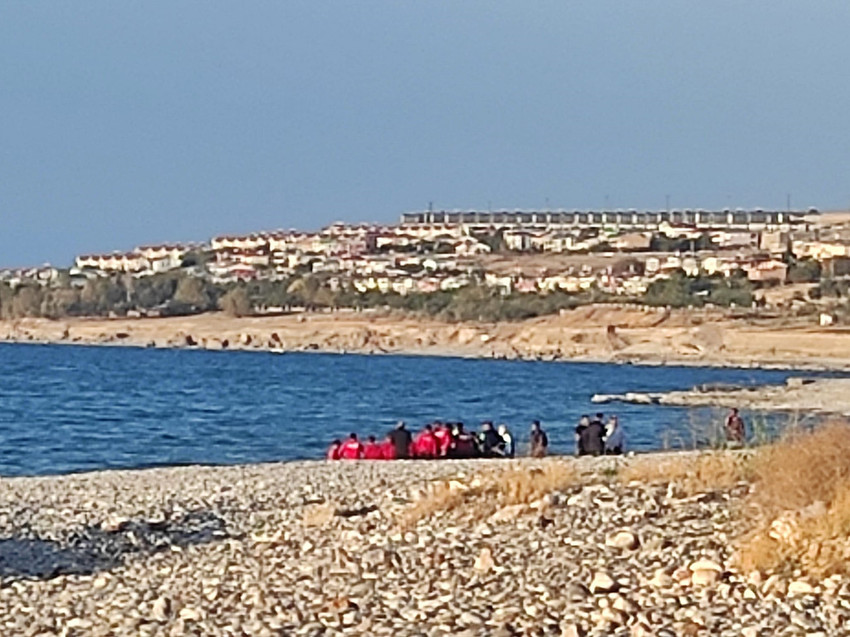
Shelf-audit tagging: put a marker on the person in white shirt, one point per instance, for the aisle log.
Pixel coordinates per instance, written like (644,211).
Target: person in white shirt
(615,438)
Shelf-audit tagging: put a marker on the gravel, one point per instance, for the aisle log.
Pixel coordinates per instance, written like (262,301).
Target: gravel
(315,548)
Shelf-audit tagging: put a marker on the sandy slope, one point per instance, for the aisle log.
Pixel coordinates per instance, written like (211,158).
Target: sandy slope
(600,333)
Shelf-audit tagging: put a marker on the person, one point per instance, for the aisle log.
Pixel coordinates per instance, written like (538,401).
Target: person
(388,448)
(539,440)
(463,443)
(425,445)
(490,443)
(508,440)
(444,439)
(592,438)
(735,430)
(372,450)
(615,439)
(583,423)
(351,449)
(333,450)
(401,441)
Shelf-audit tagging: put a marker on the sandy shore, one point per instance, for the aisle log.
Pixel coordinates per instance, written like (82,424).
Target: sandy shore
(318,549)
(603,333)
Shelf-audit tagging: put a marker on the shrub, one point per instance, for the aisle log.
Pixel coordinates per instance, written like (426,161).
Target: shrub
(487,492)
(800,504)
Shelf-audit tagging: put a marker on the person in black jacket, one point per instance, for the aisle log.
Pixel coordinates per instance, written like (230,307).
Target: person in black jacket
(592,439)
(583,422)
(490,443)
(401,439)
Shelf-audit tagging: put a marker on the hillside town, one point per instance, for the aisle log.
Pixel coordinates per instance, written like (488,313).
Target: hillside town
(524,252)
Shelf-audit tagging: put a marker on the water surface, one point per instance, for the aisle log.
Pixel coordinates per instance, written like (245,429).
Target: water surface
(72,408)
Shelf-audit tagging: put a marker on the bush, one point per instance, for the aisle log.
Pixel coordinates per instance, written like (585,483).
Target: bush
(235,302)
(801,504)
(805,271)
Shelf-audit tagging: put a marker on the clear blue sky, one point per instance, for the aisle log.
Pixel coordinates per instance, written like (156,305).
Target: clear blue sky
(131,122)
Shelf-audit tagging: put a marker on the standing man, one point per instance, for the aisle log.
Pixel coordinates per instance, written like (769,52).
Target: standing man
(539,440)
(401,439)
(735,429)
(583,424)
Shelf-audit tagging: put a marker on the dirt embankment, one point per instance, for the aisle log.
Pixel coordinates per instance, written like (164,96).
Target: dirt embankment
(592,333)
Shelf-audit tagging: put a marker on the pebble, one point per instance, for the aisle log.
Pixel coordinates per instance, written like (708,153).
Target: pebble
(622,540)
(800,587)
(602,583)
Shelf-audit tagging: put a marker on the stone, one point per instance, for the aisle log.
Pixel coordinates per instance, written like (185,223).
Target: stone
(484,562)
(661,579)
(508,513)
(189,614)
(800,587)
(622,540)
(602,583)
(705,565)
(161,609)
(705,577)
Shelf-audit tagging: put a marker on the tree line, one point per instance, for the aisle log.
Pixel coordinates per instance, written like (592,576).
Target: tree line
(182,293)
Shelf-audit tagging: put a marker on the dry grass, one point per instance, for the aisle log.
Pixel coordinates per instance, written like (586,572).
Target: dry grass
(800,504)
(485,493)
(691,474)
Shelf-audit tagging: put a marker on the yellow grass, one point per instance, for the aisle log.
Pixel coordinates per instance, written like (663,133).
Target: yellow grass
(691,474)
(485,493)
(800,504)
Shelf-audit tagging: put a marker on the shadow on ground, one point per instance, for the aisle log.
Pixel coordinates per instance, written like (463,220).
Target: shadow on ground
(95,549)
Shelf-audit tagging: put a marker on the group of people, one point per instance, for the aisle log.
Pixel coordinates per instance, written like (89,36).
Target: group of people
(439,440)
(595,437)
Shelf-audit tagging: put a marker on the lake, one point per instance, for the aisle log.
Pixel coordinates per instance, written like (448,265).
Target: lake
(74,408)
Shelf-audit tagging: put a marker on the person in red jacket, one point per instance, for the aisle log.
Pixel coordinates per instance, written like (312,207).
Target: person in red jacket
(444,439)
(426,445)
(388,448)
(333,450)
(351,449)
(372,450)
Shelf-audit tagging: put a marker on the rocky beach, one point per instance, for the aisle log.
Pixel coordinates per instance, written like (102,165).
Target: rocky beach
(317,548)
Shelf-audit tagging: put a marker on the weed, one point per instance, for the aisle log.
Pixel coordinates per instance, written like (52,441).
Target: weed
(485,493)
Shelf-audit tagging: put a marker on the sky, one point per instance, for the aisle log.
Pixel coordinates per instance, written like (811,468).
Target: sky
(125,123)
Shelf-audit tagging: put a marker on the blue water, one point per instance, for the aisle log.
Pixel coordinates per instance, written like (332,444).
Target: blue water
(69,408)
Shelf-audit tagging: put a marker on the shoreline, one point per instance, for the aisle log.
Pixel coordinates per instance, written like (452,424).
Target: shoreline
(593,334)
